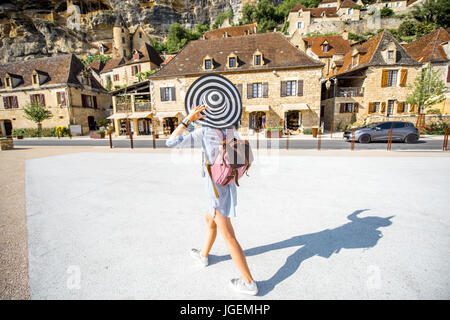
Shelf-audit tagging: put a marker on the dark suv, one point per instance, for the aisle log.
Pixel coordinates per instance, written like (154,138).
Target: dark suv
(379,131)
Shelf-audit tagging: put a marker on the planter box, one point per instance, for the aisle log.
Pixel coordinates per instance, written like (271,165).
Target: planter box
(20,137)
(95,135)
(6,143)
(274,134)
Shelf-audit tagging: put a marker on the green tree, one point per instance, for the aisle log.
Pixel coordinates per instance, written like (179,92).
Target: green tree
(37,113)
(386,12)
(89,59)
(221,17)
(427,90)
(108,83)
(433,11)
(145,74)
(178,36)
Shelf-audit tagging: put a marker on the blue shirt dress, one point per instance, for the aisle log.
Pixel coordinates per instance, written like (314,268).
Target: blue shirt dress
(210,142)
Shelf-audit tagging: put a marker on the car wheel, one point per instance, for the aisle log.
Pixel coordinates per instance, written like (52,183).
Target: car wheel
(365,138)
(412,138)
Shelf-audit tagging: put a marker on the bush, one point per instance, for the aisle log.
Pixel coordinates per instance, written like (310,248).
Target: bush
(307,131)
(46,132)
(386,12)
(436,128)
(270,129)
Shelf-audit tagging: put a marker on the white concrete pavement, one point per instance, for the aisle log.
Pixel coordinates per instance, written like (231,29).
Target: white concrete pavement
(120,225)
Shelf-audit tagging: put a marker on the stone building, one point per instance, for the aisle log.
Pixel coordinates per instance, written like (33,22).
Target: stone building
(301,17)
(61,83)
(326,49)
(231,31)
(434,49)
(370,83)
(396,5)
(120,72)
(279,84)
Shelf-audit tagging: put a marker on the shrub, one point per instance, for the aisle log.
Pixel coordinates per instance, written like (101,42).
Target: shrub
(386,12)
(307,131)
(46,132)
(270,129)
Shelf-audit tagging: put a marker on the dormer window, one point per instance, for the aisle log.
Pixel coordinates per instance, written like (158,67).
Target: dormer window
(391,54)
(35,79)
(350,11)
(225,34)
(258,59)
(102,50)
(232,61)
(8,82)
(208,63)
(246,32)
(325,46)
(300,13)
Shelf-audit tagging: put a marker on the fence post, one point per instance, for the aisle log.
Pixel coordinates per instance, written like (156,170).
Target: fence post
(257,139)
(70,133)
(110,140)
(319,141)
(130,134)
(287,140)
(389,144)
(332,127)
(444,146)
(353,140)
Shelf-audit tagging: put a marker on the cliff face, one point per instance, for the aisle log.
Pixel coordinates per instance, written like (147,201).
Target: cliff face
(30,29)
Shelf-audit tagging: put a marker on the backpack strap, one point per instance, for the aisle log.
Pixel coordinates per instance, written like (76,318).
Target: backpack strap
(208,168)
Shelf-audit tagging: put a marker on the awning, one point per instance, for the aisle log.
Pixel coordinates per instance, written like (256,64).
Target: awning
(296,106)
(171,114)
(138,115)
(262,107)
(118,116)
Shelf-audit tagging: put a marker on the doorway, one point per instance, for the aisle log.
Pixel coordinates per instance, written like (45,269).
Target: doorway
(257,120)
(145,126)
(169,124)
(293,119)
(91,123)
(6,127)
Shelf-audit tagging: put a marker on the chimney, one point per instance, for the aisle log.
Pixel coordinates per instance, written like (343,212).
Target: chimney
(345,35)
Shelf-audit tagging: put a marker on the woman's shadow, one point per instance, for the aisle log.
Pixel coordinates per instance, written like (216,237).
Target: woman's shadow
(359,233)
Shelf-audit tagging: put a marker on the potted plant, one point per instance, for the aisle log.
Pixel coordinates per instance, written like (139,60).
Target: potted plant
(274,132)
(99,134)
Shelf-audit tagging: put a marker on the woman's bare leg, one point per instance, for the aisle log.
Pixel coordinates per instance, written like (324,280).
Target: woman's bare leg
(233,246)
(210,236)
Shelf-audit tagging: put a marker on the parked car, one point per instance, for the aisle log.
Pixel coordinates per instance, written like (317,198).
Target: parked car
(379,131)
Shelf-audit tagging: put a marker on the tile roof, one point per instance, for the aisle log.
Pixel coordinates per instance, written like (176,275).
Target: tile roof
(327,1)
(277,52)
(371,54)
(112,63)
(62,69)
(96,66)
(235,31)
(149,54)
(337,45)
(428,48)
(316,12)
(347,4)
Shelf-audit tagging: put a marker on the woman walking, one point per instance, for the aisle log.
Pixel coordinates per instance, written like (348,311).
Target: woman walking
(220,208)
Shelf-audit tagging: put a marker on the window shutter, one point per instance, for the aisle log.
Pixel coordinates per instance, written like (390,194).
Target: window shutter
(139,68)
(15,104)
(300,88)
(265,90)
(448,74)
(383,107)
(403,77)
(31,98)
(95,101)
(161,91)
(283,89)
(370,107)
(42,100)
(63,98)
(239,88)
(342,108)
(83,101)
(356,107)
(249,91)
(5,103)
(173,94)
(384,78)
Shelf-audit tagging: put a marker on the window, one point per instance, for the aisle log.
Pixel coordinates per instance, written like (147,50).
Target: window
(8,82)
(123,40)
(348,107)
(140,34)
(390,107)
(86,101)
(124,52)
(398,125)
(392,78)
(208,64)
(257,60)
(167,94)
(115,77)
(10,102)
(37,98)
(375,107)
(390,54)
(398,4)
(385,126)
(35,79)
(300,13)
(350,11)
(135,69)
(232,62)
(401,107)
(300,25)
(257,90)
(326,48)
(291,88)
(61,98)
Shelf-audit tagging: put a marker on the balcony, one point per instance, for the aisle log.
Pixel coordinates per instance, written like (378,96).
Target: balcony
(143,106)
(350,92)
(125,107)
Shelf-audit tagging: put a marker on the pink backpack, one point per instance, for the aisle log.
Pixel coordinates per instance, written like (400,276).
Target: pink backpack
(234,159)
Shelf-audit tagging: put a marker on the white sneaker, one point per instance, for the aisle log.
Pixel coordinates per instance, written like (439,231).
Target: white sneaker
(241,286)
(197,256)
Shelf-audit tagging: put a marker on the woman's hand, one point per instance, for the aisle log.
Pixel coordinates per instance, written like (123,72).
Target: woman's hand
(194,115)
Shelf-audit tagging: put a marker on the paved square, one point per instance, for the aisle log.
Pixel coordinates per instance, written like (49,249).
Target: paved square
(120,225)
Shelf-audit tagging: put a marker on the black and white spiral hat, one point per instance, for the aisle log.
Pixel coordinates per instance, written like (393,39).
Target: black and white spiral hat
(222,98)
